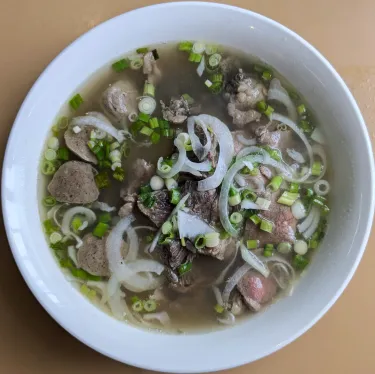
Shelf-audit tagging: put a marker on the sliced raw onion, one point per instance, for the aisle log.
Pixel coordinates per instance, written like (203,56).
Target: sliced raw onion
(100,124)
(320,152)
(53,212)
(314,225)
(248,204)
(67,219)
(229,318)
(297,130)
(295,155)
(180,204)
(252,150)
(188,169)
(201,67)
(278,93)
(254,261)
(226,149)
(200,150)
(246,141)
(318,136)
(176,168)
(101,287)
(304,225)
(190,225)
(149,266)
(103,206)
(233,280)
(162,317)
(200,166)
(220,278)
(133,245)
(224,193)
(116,299)
(322,187)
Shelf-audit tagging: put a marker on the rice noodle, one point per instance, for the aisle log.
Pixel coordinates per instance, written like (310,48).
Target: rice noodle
(174,211)
(233,280)
(298,131)
(200,150)
(162,317)
(226,151)
(224,193)
(278,93)
(103,206)
(246,141)
(176,168)
(254,261)
(100,124)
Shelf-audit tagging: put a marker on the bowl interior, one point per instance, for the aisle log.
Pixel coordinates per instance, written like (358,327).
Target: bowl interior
(352,196)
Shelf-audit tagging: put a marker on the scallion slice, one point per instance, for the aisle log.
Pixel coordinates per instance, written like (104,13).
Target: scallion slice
(284,248)
(267,75)
(50,154)
(275,183)
(301,109)
(266,225)
(214,60)
(255,219)
(195,57)
(121,65)
(252,244)
(146,131)
(147,105)
(175,196)
(300,262)
(55,237)
(149,305)
(48,167)
(155,138)
(212,239)
(236,218)
(316,168)
(288,198)
(154,123)
(219,308)
(199,47)
(200,242)
(149,89)
(62,123)
(186,46)
(234,200)
(264,108)
(102,180)
(166,227)
(184,268)
(248,195)
(49,201)
(76,101)
(294,187)
(142,50)
(137,306)
(100,229)
(268,250)
(211,49)
(136,63)
(53,143)
(119,174)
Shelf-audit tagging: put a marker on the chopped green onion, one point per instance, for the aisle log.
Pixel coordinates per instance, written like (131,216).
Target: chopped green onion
(62,123)
(119,174)
(48,168)
(146,131)
(50,154)
(145,189)
(53,143)
(224,235)
(134,299)
(316,168)
(166,239)
(147,105)
(150,238)
(208,83)
(309,192)
(267,75)
(121,65)
(245,170)
(264,108)
(55,130)
(149,89)
(258,68)
(185,46)
(49,201)
(234,200)
(199,47)
(219,308)
(294,187)
(266,226)
(275,183)
(236,218)
(325,210)
(195,57)
(49,226)
(288,198)
(166,227)
(268,250)
(273,152)
(200,242)
(212,239)
(254,172)
(63,154)
(114,146)
(87,291)
(214,60)
(142,50)
(78,273)
(55,237)
(255,219)
(76,101)
(154,123)
(100,229)
(102,180)
(149,305)
(137,306)
(155,138)
(301,109)
(144,117)
(284,248)
(105,217)
(175,196)
(76,223)
(313,244)
(263,203)
(148,199)
(188,98)
(300,262)
(252,244)
(164,124)
(184,268)
(136,63)
(248,195)
(211,49)
(305,126)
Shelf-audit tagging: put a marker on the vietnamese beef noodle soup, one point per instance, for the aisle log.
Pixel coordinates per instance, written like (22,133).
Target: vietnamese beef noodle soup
(184,187)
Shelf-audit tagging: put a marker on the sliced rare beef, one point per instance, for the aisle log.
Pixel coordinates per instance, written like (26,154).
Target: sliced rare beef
(225,247)
(77,143)
(284,224)
(74,183)
(173,254)
(177,111)
(91,256)
(203,203)
(141,172)
(160,210)
(128,207)
(256,290)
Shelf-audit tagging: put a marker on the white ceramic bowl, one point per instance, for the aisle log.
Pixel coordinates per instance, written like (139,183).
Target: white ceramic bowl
(352,182)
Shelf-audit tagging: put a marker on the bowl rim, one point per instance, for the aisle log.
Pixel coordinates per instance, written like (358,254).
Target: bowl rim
(17,124)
